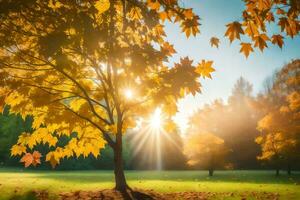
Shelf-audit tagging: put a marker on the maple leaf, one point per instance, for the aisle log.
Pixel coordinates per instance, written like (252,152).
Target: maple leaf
(188,13)
(36,158)
(270,17)
(102,6)
(135,13)
(260,41)
(214,41)
(251,29)
(278,39)
(246,48)
(50,157)
(190,26)
(31,159)
(18,150)
(27,159)
(168,48)
(153,4)
(205,68)
(234,30)
(283,23)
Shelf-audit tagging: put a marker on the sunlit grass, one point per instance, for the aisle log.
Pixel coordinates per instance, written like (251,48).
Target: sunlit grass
(16,181)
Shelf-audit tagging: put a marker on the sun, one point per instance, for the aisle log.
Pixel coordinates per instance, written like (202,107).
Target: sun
(128,93)
(156,119)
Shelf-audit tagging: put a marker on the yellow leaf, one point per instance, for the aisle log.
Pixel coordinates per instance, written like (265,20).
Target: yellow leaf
(102,6)
(205,68)
(135,13)
(52,158)
(18,150)
(76,104)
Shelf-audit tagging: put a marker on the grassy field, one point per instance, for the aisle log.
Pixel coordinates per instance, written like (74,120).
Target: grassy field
(14,182)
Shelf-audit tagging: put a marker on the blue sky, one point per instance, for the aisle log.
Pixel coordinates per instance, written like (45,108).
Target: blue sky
(228,62)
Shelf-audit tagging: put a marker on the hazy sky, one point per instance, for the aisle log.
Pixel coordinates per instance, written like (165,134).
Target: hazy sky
(228,62)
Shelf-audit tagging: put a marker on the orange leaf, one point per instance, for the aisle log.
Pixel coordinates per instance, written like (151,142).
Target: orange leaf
(251,29)
(153,4)
(260,41)
(278,39)
(234,30)
(27,159)
(33,159)
(214,41)
(246,48)
(36,158)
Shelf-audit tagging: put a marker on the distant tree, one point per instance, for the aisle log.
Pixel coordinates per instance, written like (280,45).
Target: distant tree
(280,139)
(205,151)
(234,122)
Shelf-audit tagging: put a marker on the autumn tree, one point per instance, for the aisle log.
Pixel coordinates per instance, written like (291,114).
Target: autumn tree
(233,121)
(90,67)
(205,151)
(279,127)
(86,69)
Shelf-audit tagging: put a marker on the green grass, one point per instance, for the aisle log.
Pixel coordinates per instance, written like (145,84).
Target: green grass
(14,182)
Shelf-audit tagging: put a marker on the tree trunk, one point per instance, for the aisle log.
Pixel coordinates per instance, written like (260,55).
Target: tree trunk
(120,179)
(211,172)
(289,169)
(277,171)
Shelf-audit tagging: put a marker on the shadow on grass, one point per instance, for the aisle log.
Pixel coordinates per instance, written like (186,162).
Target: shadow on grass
(27,196)
(31,195)
(263,177)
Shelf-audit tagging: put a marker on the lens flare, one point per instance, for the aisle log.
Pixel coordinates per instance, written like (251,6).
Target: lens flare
(156,119)
(128,93)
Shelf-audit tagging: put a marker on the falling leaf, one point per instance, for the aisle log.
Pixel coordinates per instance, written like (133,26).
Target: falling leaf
(205,68)
(278,39)
(234,30)
(214,41)
(246,48)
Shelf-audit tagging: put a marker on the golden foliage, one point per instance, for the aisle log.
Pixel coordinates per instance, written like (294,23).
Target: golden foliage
(280,126)
(260,14)
(205,150)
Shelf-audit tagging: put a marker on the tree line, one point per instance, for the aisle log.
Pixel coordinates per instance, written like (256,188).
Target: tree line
(250,132)
(247,132)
